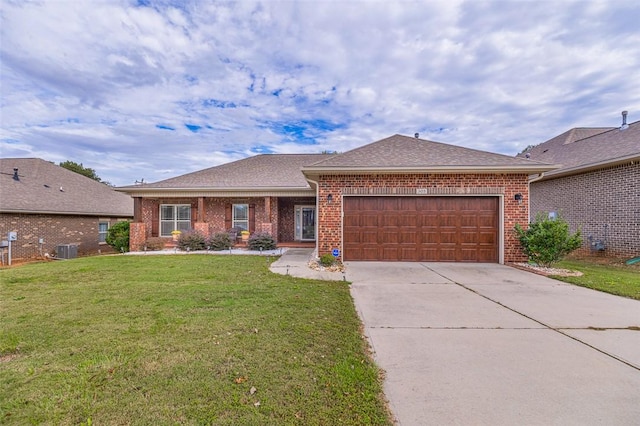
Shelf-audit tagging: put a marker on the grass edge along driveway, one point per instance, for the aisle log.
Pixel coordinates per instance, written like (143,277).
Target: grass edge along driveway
(181,339)
(617,279)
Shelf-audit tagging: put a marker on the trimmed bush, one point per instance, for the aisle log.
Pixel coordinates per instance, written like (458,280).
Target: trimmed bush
(191,240)
(261,240)
(327,259)
(118,237)
(155,243)
(221,241)
(547,241)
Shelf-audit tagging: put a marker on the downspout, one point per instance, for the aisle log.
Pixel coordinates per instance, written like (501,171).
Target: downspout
(317,209)
(540,176)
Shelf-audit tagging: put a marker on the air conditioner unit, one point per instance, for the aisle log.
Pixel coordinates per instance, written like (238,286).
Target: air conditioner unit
(67,251)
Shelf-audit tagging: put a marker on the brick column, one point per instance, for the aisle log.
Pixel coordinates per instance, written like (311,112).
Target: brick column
(137,236)
(201,228)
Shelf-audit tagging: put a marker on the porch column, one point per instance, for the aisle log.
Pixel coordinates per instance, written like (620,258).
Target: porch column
(267,225)
(200,216)
(137,236)
(137,209)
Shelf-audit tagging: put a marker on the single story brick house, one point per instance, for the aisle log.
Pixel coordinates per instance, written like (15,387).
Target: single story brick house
(48,205)
(596,188)
(398,199)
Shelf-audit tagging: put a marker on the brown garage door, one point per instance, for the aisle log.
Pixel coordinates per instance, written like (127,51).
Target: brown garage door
(430,229)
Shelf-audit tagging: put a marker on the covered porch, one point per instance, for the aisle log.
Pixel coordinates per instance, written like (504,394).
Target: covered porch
(290,220)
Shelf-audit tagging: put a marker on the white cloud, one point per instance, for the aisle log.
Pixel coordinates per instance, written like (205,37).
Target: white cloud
(116,85)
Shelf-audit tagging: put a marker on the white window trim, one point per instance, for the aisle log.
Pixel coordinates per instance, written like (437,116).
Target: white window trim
(108,222)
(234,221)
(175,220)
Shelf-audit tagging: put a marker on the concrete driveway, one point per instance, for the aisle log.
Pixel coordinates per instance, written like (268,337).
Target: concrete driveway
(489,344)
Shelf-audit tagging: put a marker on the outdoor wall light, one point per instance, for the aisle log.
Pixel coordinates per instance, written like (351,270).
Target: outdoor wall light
(329,198)
(518,198)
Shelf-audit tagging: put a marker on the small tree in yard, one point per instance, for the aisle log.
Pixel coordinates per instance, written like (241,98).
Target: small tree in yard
(547,241)
(118,236)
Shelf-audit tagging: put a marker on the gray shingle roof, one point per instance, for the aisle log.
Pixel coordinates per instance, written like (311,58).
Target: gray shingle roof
(260,171)
(403,152)
(583,148)
(47,188)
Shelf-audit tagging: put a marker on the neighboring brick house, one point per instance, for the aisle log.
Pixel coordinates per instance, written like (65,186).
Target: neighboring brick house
(48,205)
(597,187)
(400,198)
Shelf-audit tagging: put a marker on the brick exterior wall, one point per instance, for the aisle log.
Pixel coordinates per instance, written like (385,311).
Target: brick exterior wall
(286,216)
(596,202)
(55,230)
(272,215)
(330,219)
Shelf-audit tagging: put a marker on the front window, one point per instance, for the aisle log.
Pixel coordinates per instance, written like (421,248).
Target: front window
(103,228)
(174,217)
(241,216)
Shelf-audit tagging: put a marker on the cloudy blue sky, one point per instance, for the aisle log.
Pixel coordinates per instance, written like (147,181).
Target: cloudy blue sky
(153,89)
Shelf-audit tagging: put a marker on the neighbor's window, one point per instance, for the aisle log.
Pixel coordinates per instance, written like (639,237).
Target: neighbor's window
(241,216)
(174,217)
(103,228)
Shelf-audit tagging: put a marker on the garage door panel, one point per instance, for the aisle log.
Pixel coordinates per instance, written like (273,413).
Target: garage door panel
(450,229)
(487,238)
(470,255)
(448,237)
(448,219)
(486,222)
(469,220)
(369,219)
(408,221)
(389,237)
(408,237)
(448,255)
(468,238)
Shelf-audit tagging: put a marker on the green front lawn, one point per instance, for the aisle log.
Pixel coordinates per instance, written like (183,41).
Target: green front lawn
(617,279)
(195,339)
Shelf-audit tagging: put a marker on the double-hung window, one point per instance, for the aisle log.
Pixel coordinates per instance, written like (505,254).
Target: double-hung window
(240,218)
(174,217)
(103,228)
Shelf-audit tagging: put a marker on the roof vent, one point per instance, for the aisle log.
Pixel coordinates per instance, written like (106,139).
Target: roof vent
(417,135)
(624,121)
(15,174)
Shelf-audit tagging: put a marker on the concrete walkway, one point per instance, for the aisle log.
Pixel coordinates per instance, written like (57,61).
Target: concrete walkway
(493,345)
(295,262)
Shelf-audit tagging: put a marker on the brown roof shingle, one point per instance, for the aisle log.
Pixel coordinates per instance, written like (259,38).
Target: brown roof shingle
(583,148)
(260,171)
(44,187)
(403,152)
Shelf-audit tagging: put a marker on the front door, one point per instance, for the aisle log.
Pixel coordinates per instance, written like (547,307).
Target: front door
(305,223)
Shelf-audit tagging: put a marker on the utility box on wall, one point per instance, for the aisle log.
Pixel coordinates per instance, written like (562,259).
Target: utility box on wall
(67,251)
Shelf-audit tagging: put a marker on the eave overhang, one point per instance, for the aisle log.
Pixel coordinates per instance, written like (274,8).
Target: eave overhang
(67,213)
(524,169)
(584,168)
(146,192)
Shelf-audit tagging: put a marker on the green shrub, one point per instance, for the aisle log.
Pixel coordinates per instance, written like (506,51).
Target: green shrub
(261,241)
(327,259)
(155,243)
(192,240)
(221,241)
(118,237)
(547,241)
